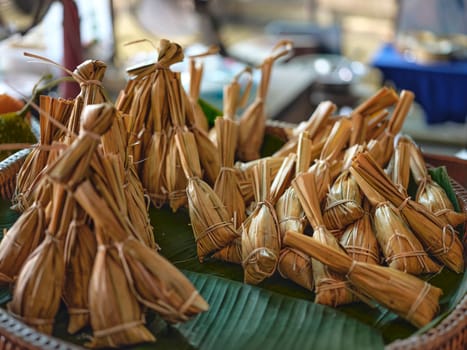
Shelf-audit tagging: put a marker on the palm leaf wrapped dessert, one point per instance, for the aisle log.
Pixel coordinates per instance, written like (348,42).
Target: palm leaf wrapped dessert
(411,298)
(330,287)
(294,264)
(210,220)
(439,239)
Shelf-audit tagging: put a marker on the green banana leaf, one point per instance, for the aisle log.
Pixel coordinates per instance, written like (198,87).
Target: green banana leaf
(276,314)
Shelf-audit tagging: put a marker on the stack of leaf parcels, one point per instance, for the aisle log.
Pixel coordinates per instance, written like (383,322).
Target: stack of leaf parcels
(85,237)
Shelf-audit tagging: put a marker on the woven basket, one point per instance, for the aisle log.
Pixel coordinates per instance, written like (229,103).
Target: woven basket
(449,334)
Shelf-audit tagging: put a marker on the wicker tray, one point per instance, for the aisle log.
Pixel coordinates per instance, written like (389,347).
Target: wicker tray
(451,333)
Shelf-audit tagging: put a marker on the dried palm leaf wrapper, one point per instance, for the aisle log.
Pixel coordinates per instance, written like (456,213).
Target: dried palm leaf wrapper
(399,167)
(209,155)
(137,205)
(116,316)
(438,239)
(260,235)
(80,252)
(89,75)
(155,282)
(175,178)
(383,98)
(343,203)
(312,126)
(400,247)
(395,125)
(38,289)
(245,175)
(253,121)
(226,185)
(231,253)
(288,208)
(73,162)
(376,125)
(30,173)
(23,237)
(147,99)
(330,287)
(328,166)
(359,239)
(294,264)
(196,68)
(210,220)
(108,174)
(411,298)
(429,193)
(367,118)
(233,98)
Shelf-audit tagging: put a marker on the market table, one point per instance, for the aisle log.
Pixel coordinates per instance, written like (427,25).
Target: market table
(439,87)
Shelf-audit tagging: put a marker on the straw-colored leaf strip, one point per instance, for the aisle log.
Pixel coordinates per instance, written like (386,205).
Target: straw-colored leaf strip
(406,295)
(158,284)
(72,164)
(401,163)
(116,317)
(439,240)
(305,187)
(337,139)
(153,169)
(80,251)
(245,175)
(325,173)
(400,247)
(331,288)
(22,238)
(252,125)
(253,121)
(303,153)
(137,206)
(382,99)
(226,185)
(210,221)
(261,241)
(41,278)
(97,208)
(343,203)
(395,125)
(290,212)
(312,126)
(208,155)
(196,73)
(30,173)
(231,253)
(283,178)
(297,267)
(232,97)
(115,140)
(376,125)
(359,241)
(417,163)
(175,178)
(358,135)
